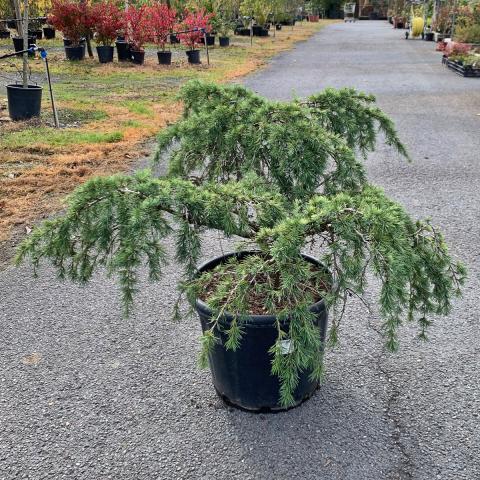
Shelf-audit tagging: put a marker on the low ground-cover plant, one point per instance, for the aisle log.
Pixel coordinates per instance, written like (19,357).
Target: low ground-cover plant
(282,177)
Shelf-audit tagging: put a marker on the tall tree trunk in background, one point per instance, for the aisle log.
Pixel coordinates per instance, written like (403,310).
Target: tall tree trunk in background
(18,16)
(25,44)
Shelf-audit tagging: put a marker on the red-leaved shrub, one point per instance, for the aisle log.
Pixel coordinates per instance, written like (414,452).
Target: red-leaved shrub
(107,21)
(71,18)
(194,23)
(162,20)
(137,27)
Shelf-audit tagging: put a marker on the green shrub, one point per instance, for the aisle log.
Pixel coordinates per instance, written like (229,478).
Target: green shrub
(281,176)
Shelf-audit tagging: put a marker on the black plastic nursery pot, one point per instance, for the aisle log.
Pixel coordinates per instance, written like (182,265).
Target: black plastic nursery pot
(210,40)
(243,32)
(24,103)
(174,39)
(259,31)
(18,44)
(138,56)
(429,36)
(105,53)
(224,41)
(123,51)
(36,33)
(4,34)
(11,24)
(193,56)
(243,377)
(164,58)
(49,33)
(68,43)
(75,53)
(278,26)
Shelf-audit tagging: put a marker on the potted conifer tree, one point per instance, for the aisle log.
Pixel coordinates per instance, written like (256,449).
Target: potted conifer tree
(25,99)
(280,177)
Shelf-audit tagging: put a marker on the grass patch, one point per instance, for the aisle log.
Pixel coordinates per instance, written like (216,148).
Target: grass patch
(31,137)
(139,107)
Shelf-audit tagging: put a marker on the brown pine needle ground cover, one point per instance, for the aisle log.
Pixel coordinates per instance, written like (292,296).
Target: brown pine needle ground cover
(107,113)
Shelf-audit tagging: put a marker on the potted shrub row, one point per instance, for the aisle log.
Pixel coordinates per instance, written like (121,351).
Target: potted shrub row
(130,30)
(263,307)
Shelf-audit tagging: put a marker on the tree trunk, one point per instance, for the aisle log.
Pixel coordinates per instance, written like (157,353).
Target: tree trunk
(18,16)
(25,44)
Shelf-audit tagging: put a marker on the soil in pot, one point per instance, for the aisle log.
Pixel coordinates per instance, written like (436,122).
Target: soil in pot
(242,377)
(49,33)
(193,57)
(123,51)
(75,53)
(164,57)
(24,103)
(138,56)
(105,53)
(18,45)
(224,41)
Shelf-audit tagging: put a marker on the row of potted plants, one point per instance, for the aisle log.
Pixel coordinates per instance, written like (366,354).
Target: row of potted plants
(131,29)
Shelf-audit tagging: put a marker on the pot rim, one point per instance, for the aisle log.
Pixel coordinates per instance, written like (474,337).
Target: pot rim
(260,320)
(18,86)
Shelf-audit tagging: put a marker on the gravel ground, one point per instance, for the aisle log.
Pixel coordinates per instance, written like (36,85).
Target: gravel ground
(87,395)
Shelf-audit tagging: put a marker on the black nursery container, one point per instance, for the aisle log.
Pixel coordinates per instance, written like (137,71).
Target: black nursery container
(68,43)
(49,33)
(259,31)
(36,33)
(75,53)
(105,53)
(243,378)
(123,51)
(138,56)
(210,40)
(4,34)
(193,56)
(164,57)
(224,41)
(18,45)
(24,103)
